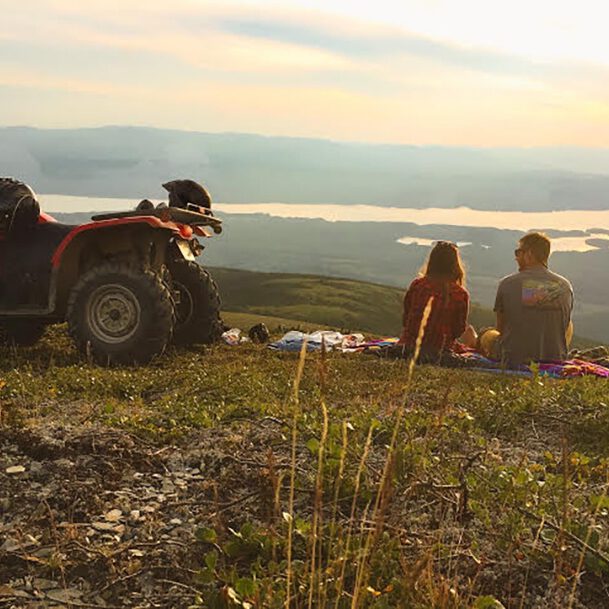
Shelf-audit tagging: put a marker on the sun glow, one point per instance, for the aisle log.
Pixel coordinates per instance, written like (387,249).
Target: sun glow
(545,30)
(482,73)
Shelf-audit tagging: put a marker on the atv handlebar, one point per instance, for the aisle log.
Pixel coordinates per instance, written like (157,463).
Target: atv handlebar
(168,214)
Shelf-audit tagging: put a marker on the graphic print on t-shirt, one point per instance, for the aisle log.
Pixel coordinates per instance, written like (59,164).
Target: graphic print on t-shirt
(541,293)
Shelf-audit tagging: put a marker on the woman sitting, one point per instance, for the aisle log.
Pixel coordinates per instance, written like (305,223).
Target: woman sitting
(439,296)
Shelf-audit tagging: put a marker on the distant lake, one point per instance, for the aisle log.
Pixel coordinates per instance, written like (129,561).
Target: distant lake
(460,216)
(559,244)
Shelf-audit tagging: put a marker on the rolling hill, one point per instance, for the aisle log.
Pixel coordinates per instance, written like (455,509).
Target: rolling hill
(289,300)
(340,303)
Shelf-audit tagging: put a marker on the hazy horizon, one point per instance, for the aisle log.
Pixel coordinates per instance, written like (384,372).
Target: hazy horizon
(256,134)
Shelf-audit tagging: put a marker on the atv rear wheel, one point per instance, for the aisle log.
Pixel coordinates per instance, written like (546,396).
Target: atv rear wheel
(198,304)
(21,332)
(121,314)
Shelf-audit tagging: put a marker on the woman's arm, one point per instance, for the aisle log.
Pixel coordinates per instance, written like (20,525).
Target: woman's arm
(406,305)
(461,311)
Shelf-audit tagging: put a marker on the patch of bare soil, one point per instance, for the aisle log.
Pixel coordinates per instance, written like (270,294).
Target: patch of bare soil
(100,518)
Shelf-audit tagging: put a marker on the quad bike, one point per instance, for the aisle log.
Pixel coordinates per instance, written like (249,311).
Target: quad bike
(127,283)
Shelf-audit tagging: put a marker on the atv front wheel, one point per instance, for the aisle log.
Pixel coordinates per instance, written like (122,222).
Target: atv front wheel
(120,314)
(21,332)
(198,304)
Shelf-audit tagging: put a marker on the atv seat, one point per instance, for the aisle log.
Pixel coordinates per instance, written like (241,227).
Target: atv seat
(25,264)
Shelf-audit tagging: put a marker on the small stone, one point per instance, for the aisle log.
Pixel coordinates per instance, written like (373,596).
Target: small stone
(135,515)
(10,545)
(136,553)
(36,468)
(113,515)
(64,463)
(64,595)
(167,487)
(103,526)
(119,529)
(31,540)
(175,522)
(15,469)
(41,583)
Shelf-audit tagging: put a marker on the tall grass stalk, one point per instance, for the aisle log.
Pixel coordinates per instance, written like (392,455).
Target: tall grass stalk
(363,573)
(295,414)
(317,528)
(582,555)
(564,520)
(337,486)
(534,548)
(419,341)
(345,549)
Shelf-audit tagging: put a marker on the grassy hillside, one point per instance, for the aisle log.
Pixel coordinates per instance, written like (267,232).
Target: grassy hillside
(339,303)
(224,477)
(310,301)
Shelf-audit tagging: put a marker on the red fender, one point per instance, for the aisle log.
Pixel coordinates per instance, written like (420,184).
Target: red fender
(101,224)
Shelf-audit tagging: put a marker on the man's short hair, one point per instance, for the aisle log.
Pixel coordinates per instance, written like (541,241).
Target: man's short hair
(538,244)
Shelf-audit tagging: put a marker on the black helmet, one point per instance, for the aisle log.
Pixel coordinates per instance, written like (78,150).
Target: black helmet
(259,333)
(184,192)
(19,207)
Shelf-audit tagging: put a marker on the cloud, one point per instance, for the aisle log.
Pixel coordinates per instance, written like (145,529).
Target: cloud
(383,45)
(291,71)
(376,45)
(233,37)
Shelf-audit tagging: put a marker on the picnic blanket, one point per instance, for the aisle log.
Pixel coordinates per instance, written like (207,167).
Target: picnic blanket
(569,368)
(463,357)
(470,359)
(293,341)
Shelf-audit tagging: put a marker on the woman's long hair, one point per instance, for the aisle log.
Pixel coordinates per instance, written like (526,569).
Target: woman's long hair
(444,264)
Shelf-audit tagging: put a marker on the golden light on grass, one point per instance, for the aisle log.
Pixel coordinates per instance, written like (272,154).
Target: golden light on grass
(290,517)
(420,335)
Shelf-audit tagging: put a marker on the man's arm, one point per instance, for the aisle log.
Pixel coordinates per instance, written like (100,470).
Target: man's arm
(569,330)
(499,308)
(500,322)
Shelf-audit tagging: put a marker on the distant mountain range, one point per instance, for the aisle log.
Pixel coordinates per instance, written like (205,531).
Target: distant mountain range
(241,168)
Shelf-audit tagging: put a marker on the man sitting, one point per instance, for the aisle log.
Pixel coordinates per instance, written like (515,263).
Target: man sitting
(533,308)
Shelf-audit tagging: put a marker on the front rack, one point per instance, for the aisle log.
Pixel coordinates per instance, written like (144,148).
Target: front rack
(167,214)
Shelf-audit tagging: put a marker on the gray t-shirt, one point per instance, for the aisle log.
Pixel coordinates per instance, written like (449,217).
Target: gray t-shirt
(536,305)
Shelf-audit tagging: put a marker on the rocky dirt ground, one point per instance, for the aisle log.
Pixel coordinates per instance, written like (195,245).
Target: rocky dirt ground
(99,518)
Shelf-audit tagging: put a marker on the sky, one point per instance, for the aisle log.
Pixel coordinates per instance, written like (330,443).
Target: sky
(441,72)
